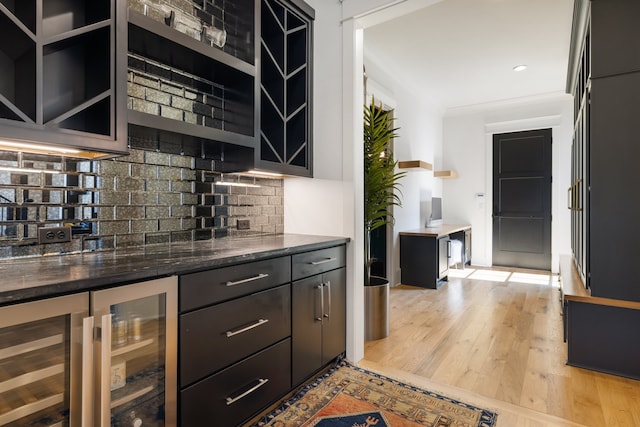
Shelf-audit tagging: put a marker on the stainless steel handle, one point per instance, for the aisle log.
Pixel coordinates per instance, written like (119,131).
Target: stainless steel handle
(105,373)
(328,286)
(86,419)
(319,287)
(448,248)
(324,261)
(570,197)
(261,382)
(250,279)
(260,322)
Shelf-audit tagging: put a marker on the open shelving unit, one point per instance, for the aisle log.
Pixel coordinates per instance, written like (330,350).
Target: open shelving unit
(190,93)
(57,74)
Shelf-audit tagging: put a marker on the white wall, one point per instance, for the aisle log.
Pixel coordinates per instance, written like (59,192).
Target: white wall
(468,150)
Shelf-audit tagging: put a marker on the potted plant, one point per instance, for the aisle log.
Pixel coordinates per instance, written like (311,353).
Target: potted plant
(381,182)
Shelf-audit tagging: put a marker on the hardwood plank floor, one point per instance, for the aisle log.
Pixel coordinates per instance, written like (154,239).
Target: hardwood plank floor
(498,334)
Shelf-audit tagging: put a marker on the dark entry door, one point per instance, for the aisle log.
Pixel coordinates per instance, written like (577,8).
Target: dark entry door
(522,199)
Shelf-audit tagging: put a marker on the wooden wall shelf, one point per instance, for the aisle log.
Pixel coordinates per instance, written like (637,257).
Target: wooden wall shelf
(415,164)
(445,174)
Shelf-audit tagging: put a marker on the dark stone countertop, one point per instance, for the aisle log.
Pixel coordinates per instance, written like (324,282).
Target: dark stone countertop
(38,277)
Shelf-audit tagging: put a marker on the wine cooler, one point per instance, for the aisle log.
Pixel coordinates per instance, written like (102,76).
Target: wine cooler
(103,358)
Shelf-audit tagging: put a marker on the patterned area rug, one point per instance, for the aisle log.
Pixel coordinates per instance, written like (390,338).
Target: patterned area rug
(348,396)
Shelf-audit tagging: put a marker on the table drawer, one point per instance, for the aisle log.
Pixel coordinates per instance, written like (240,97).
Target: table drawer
(215,337)
(316,262)
(240,391)
(212,286)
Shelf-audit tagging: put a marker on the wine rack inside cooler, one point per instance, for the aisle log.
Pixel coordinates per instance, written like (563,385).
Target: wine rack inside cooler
(39,357)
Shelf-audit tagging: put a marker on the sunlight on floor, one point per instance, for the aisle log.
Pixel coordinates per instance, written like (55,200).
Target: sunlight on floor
(490,275)
(506,276)
(531,278)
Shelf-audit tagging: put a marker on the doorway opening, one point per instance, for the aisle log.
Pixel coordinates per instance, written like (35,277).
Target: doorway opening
(522,199)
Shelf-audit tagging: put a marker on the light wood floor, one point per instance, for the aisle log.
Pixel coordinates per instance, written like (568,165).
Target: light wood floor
(499,335)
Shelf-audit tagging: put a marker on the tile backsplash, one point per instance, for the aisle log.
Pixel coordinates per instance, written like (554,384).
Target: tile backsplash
(150,196)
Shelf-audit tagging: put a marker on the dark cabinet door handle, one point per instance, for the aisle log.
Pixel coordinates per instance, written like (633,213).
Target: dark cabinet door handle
(323,261)
(261,382)
(320,288)
(259,322)
(250,279)
(328,312)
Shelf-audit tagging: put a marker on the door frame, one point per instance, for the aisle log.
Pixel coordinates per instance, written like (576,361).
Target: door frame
(533,123)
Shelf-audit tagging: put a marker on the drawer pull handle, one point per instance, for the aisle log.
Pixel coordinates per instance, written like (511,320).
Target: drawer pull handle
(250,279)
(322,261)
(261,382)
(260,322)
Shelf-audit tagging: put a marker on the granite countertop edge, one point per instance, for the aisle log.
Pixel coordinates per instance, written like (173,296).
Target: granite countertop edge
(25,279)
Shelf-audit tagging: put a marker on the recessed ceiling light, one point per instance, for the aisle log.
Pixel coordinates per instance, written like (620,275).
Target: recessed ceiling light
(520,67)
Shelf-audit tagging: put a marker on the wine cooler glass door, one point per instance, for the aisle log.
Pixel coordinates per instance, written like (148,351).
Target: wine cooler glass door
(137,366)
(40,362)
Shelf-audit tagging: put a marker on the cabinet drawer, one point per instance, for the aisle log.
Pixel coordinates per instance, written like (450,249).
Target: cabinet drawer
(217,336)
(211,286)
(240,391)
(316,262)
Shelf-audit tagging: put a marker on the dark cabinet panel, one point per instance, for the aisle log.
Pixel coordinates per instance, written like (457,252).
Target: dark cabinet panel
(286,87)
(334,321)
(613,211)
(217,336)
(316,262)
(318,322)
(615,35)
(240,391)
(211,286)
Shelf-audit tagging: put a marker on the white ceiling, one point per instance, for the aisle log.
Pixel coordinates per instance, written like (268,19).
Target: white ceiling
(461,52)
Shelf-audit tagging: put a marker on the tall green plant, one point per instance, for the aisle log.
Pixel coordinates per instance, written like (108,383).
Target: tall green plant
(381,186)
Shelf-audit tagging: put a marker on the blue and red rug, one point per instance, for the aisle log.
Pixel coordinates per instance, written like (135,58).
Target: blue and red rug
(348,396)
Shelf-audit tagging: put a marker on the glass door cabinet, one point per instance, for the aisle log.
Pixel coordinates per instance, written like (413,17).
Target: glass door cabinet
(103,358)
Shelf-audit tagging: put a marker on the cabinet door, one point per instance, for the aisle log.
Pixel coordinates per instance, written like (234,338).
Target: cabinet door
(306,327)
(285,87)
(41,362)
(136,367)
(613,206)
(615,37)
(334,317)
(63,89)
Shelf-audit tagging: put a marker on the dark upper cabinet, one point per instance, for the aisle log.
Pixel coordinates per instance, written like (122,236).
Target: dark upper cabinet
(604,77)
(58,74)
(285,87)
(616,37)
(614,209)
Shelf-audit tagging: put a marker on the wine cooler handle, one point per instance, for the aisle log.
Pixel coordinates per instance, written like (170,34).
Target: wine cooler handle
(87,372)
(105,373)
(261,382)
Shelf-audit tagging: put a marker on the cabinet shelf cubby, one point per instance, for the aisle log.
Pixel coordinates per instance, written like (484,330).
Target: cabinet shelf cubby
(61,16)
(186,92)
(23,10)
(58,74)
(82,57)
(17,72)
